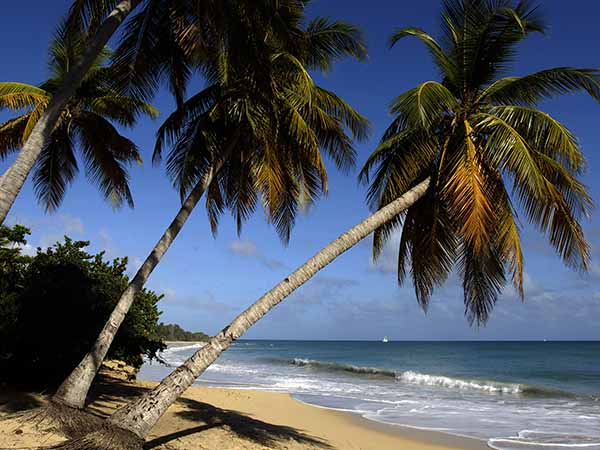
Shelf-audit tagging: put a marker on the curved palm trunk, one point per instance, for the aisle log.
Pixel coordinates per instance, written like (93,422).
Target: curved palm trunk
(73,391)
(13,179)
(141,415)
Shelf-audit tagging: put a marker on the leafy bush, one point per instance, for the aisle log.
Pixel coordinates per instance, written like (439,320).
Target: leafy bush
(54,304)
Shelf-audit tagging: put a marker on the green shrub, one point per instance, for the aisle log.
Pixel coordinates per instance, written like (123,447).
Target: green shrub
(54,304)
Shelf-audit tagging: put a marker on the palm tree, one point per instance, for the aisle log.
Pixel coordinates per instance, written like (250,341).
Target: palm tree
(14,177)
(157,40)
(85,123)
(449,148)
(256,131)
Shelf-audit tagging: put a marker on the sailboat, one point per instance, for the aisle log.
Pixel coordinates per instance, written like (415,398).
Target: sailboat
(385,339)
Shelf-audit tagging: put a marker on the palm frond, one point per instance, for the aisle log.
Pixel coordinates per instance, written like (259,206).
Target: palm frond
(66,47)
(16,96)
(33,118)
(106,155)
(466,190)
(327,41)
(55,169)
(444,62)
(473,134)
(424,106)
(508,151)
(531,89)
(396,164)
(88,14)
(483,279)
(337,107)
(150,51)
(11,135)
(193,153)
(429,239)
(545,134)
(122,109)
(195,107)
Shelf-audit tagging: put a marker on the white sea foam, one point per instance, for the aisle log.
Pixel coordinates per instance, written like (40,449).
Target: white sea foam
(448,382)
(183,348)
(547,440)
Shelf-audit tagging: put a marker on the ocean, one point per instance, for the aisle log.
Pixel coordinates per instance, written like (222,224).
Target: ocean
(513,395)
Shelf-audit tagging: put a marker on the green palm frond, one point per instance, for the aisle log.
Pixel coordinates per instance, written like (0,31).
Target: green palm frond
(88,14)
(66,48)
(106,154)
(545,134)
(195,107)
(327,41)
(424,106)
(11,135)
(573,191)
(16,96)
(428,239)
(446,65)
(154,48)
(508,151)
(55,169)
(396,164)
(531,89)
(483,275)
(259,87)
(508,239)
(193,153)
(122,109)
(335,106)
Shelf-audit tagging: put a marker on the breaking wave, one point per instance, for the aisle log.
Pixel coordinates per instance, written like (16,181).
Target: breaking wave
(358,370)
(411,377)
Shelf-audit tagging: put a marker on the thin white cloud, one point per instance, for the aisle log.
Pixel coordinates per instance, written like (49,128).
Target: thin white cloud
(387,262)
(71,224)
(249,249)
(243,247)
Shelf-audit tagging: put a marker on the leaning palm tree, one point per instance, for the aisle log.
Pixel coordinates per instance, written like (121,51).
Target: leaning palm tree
(448,151)
(163,31)
(14,177)
(85,122)
(256,131)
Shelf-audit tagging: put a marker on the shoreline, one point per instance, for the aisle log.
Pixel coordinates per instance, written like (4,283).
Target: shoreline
(419,435)
(335,429)
(234,419)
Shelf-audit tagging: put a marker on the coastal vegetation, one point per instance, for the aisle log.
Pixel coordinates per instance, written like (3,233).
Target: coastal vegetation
(462,156)
(173,332)
(53,303)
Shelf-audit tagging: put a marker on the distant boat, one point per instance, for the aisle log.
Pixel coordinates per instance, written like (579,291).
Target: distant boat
(385,339)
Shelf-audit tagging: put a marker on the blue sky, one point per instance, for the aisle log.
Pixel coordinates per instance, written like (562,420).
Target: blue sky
(207,281)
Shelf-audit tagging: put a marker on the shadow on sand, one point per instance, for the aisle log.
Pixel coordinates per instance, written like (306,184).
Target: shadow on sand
(243,426)
(201,416)
(13,400)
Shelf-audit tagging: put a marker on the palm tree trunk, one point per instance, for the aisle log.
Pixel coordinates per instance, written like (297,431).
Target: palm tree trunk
(73,391)
(139,416)
(13,179)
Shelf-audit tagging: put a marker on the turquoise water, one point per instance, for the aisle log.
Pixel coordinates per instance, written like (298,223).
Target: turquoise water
(514,395)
